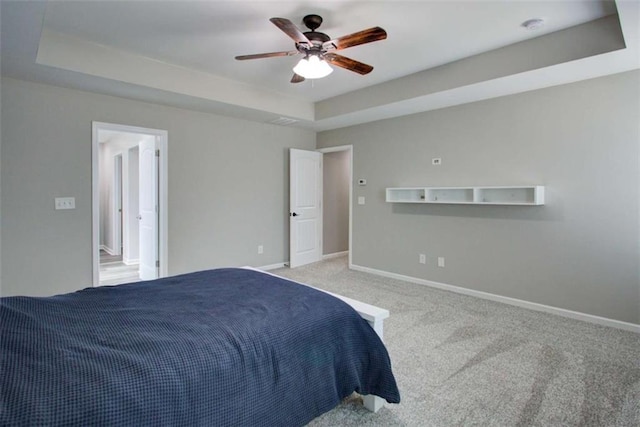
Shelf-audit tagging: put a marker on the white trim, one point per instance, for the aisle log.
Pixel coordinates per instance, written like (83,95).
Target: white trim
(106,249)
(162,138)
(130,261)
(632,327)
(334,255)
(270,267)
(348,148)
(163,220)
(128,209)
(117,197)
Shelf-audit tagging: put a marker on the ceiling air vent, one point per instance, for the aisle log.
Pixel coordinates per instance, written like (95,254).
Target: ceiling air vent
(283,121)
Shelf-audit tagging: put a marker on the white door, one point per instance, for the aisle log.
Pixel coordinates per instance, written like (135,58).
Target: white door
(148,214)
(117,205)
(305,207)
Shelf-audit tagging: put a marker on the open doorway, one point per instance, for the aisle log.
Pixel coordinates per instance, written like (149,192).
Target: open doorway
(119,195)
(337,199)
(320,204)
(129,204)
(305,207)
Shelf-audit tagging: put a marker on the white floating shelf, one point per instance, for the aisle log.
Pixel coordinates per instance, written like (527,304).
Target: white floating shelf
(513,195)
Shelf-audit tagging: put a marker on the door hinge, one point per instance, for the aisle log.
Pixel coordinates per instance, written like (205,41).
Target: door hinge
(157,263)
(157,153)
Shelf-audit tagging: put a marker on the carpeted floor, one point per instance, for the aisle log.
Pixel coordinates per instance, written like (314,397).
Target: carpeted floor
(460,360)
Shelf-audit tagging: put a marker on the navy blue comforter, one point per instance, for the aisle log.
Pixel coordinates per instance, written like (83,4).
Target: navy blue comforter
(226,347)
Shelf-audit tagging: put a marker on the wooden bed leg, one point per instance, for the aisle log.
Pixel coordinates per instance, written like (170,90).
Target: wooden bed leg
(372,403)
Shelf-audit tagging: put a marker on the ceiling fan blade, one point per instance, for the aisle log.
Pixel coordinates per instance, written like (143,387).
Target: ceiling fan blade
(348,63)
(355,39)
(297,78)
(267,55)
(290,30)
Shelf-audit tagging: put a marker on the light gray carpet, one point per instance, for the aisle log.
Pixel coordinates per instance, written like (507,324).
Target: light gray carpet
(460,360)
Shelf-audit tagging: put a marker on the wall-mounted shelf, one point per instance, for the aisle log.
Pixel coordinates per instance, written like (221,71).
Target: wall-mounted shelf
(527,195)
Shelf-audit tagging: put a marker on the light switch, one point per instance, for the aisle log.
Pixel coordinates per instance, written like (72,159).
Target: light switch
(65,203)
(361,200)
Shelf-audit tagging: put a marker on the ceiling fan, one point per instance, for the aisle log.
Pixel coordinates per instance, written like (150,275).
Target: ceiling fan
(318,48)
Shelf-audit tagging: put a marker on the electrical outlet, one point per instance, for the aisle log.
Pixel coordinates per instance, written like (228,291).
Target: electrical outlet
(260,249)
(65,203)
(422,259)
(436,161)
(440,261)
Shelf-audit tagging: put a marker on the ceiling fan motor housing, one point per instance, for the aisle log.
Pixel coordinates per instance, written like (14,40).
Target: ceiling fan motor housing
(315,37)
(312,21)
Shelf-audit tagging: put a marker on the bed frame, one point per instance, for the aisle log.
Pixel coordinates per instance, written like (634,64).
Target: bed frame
(373,315)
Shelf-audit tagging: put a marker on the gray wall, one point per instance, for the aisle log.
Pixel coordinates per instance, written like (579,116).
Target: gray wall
(335,208)
(228,185)
(579,252)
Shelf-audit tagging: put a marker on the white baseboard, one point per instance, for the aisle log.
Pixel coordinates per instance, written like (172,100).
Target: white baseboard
(335,255)
(107,250)
(130,261)
(272,266)
(632,327)
(286,263)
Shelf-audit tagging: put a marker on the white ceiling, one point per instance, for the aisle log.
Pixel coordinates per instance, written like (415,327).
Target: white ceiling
(196,42)
(208,35)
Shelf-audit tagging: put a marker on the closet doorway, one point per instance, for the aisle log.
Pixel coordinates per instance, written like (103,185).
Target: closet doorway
(337,201)
(328,235)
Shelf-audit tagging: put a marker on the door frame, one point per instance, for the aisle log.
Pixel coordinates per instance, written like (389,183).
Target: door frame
(348,148)
(117,205)
(162,140)
(127,235)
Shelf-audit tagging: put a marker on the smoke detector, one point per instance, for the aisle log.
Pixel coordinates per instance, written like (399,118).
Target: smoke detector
(533,24)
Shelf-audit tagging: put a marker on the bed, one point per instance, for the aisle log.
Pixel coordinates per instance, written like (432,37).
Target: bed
(230,346)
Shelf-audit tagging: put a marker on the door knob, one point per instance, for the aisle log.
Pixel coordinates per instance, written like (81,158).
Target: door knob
(294,214)
(139,217)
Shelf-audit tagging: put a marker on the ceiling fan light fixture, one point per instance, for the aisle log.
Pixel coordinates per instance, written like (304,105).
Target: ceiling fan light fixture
(312,67)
